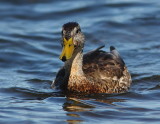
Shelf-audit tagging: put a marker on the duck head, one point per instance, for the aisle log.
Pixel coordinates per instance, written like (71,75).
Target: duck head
(72,39)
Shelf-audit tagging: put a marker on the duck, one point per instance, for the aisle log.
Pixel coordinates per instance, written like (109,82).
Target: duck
(97,71)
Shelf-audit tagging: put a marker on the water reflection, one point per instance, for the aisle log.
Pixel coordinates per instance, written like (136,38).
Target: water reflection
(74,104)
(30,47)
(76,107)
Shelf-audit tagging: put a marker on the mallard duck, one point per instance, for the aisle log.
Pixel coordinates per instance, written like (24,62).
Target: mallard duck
(94,72)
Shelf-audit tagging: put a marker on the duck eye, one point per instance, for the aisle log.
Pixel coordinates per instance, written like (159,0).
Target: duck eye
(78,30)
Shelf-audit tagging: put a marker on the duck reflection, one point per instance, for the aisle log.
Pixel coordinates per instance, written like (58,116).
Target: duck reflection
(88,104)
(78,106)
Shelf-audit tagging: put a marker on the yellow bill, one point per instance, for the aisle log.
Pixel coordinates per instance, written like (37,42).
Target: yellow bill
(67,51)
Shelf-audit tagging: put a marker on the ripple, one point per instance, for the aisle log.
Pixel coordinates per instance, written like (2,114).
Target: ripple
(30,37)
(127,4)
(153,78)
(157,87)
(28,93)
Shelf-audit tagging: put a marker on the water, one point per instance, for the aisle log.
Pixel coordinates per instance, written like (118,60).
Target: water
(30,33)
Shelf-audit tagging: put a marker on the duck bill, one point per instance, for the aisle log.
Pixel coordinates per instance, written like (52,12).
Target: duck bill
(67,51)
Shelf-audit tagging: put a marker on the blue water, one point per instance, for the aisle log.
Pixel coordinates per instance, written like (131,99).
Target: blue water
(30,35)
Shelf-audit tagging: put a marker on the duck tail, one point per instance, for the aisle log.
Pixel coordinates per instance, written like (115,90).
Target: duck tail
(100,47)
(116,54)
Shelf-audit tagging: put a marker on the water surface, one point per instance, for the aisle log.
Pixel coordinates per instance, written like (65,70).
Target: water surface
(30,34)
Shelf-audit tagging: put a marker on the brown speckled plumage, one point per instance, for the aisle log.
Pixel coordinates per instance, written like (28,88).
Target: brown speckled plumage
(94,72)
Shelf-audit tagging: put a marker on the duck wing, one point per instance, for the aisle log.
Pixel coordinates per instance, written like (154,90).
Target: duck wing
(101,65)
(59,82)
